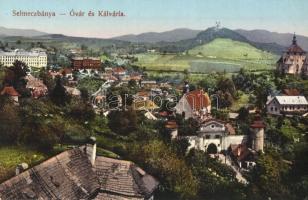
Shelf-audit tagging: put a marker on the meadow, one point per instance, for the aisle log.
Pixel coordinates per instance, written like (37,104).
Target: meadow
(219,55)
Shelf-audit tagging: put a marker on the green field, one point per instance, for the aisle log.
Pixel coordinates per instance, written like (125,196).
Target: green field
(218,55)
(11,156)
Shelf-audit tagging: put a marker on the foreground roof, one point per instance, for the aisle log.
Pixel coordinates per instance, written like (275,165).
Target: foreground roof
(70,175)
(124,178)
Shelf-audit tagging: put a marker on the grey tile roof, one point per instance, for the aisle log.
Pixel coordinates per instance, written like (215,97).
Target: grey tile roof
(70,175)
(124,177)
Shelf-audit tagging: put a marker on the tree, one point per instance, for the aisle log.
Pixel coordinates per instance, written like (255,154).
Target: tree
(15,75)
(180,146)
(10,122)
(132,83)
(173,173)
(58,95)
(214,177)
(268,177)
(123,122)
(85,96)
(81,110)
(299,172)
(243,114)
(47,79)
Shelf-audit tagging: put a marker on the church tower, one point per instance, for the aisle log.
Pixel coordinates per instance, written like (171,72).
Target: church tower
(294,60)
(257,134)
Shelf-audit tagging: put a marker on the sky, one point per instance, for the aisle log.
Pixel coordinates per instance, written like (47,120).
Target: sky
(157,16)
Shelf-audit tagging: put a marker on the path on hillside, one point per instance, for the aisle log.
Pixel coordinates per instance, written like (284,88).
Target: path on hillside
(227,160)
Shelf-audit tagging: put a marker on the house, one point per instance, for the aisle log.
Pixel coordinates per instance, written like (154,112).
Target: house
(194,104)
(109,77)
(142,95)
(36,86)
(279,105)
(144,105)
(215,136)
(119,72)
(294,60)
(72,91)
(11,93)
(89,63)
(67,72)
(80,174)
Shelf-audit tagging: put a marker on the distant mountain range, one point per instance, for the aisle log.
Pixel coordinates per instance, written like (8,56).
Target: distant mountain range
(167,36)
(181,39)
(263,36)
(257,36)
(20,32)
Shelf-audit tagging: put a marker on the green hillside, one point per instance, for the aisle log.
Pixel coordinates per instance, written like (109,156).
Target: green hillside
(218,55)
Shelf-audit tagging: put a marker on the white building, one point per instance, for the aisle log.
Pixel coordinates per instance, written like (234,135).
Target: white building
(279,105)
(215,134)
(36,59)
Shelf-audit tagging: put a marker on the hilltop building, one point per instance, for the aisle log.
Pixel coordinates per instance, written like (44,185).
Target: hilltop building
(294,60)
(36,58)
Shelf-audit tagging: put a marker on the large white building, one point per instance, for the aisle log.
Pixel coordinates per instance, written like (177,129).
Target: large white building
(36,59)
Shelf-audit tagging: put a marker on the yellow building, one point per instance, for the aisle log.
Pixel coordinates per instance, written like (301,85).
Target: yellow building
(36,59)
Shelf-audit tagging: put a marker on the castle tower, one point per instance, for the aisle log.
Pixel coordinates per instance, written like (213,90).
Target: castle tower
(294,60)
(257,134)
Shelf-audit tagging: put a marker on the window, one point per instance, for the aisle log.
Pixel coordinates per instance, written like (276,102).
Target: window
(212,126)
(207,137)
(217,136)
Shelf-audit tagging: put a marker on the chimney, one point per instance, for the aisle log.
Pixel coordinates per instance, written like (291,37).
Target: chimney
(21,168)
(93,153)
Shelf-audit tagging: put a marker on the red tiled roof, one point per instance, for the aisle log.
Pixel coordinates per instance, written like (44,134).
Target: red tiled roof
(118,70)
(230,129)
(294,48)
(198,99)
(9,90)
(291,92)
(257,123)
(171,125)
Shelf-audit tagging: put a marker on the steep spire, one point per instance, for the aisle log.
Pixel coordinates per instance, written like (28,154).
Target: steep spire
(294,41)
